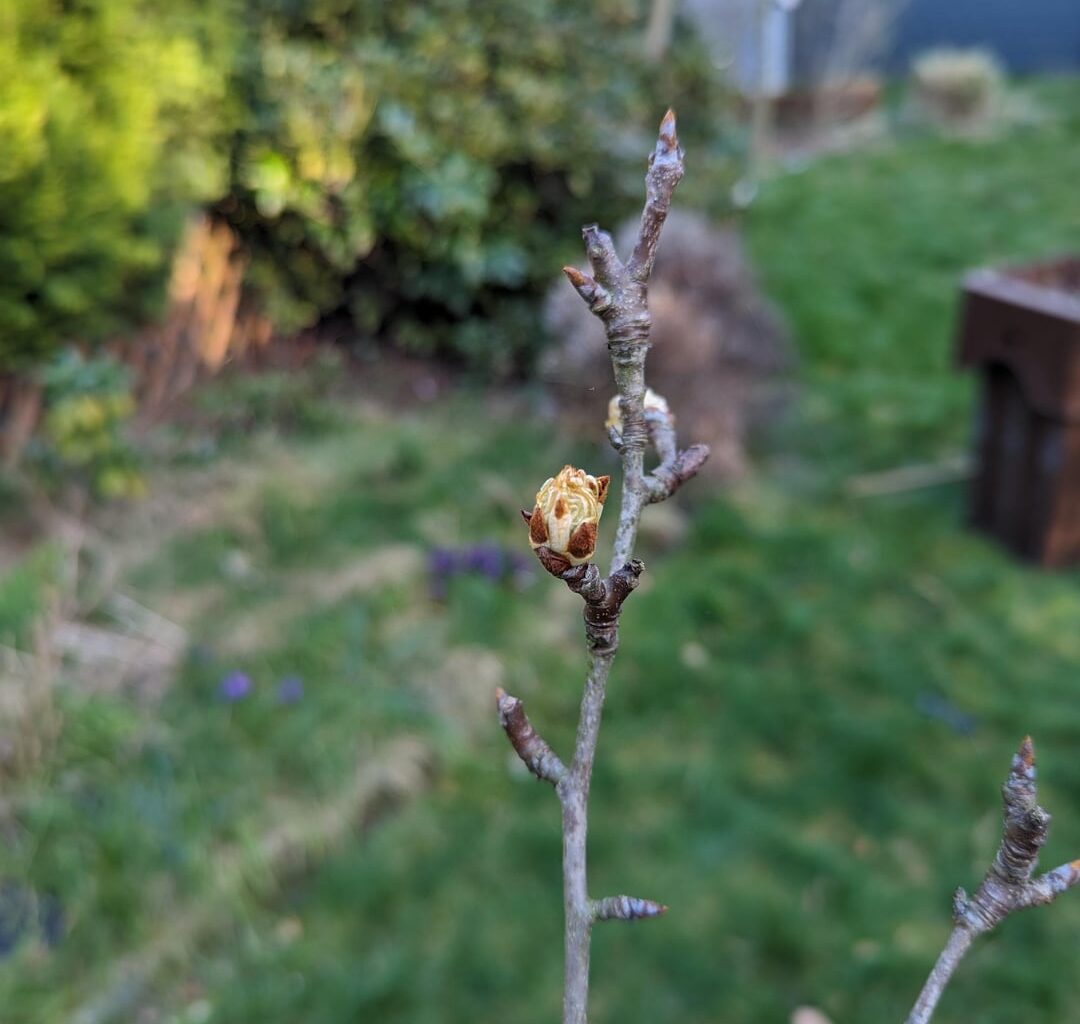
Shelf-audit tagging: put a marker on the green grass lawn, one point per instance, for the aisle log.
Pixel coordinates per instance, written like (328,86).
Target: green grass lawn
(815,703)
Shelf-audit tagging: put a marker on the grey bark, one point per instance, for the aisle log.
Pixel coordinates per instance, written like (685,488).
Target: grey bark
(617,293)
(1008,885)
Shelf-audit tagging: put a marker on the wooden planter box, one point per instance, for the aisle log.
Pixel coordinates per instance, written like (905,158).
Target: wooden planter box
(1021,329)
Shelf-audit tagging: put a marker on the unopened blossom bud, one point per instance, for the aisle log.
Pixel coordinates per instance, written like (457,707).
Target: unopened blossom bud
(562,526)
(653,403)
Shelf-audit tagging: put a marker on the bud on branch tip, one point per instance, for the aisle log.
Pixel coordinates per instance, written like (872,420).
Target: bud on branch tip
(667,131)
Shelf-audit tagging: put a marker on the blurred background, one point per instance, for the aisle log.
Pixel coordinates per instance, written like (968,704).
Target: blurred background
(284,347)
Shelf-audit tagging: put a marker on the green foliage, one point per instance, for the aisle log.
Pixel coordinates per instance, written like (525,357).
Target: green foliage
(88,405)
(871,283)
(808,724)
(288,400)
(104,137)
(24,593)
(423,167)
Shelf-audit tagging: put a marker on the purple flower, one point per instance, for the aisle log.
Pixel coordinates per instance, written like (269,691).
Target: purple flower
(234,687)
(442,561)
(290,690)
(486,559)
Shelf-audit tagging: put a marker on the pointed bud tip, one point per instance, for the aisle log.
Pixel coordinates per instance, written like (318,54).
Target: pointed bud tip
(577,278)
(667,130)
(1026,753)
(650,908)
(500,694)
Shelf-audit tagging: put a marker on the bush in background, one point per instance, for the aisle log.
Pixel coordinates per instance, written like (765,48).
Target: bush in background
(411,170)
(105,138)
(420,168)
(88,405)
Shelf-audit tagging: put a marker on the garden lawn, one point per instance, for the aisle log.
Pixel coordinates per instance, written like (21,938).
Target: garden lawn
(816,699)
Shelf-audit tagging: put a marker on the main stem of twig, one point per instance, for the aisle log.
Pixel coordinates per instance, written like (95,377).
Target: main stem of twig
(617,293)
(574,793)
(629,364)
(959,941)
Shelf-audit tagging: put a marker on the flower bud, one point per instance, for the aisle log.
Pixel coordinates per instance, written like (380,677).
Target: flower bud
(654,403)
(562,527)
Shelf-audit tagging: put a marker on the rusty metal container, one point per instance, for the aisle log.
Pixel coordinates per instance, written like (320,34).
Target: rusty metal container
(1020,328)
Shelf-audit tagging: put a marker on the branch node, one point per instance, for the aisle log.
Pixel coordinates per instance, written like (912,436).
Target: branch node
(959,904)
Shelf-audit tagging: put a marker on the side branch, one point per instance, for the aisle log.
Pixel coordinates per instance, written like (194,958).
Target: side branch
(665,172)
(1008,885)
(668,477)
(626,908)
(597,296)
(530,746)
(600,248)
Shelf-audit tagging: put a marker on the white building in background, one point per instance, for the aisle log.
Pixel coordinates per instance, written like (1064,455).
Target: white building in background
(812,41)
(752,39)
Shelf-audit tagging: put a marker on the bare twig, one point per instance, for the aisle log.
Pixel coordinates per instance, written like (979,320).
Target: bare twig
(530,746)
(1008,885)
(617,294)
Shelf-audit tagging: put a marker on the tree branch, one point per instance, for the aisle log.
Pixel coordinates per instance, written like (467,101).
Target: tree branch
(1008,885)
(676,467)
(530,746)
(665,172)
(617,294)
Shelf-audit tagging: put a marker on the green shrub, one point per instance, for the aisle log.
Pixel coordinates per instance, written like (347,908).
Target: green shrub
(415,170)
(88,404)
(424,167)
(103,139)
(296,401)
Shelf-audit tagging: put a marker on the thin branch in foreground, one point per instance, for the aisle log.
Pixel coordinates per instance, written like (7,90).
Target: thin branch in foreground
(1008,885)
(617,293)
(668,477)
(530,746)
